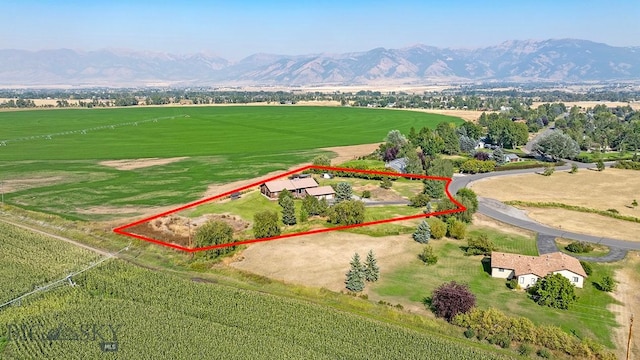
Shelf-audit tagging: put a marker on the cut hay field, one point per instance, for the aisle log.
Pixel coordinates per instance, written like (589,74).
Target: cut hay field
(53,159)
(610,189)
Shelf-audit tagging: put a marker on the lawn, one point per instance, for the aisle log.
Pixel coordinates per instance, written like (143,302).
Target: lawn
(221,144)
(412,283)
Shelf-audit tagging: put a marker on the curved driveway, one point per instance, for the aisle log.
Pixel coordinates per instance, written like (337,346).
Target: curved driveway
(508,214)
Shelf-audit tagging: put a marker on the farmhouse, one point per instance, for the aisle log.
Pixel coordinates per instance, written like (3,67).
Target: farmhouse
(297,186)
(528,269)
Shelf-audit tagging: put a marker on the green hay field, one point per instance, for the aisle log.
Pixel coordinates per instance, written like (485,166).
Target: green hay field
(222,144)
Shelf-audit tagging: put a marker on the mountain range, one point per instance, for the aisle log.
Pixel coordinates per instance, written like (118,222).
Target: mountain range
(558,60)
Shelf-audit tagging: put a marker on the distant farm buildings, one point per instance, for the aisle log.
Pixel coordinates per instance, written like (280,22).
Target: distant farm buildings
(299,187)
(528,269)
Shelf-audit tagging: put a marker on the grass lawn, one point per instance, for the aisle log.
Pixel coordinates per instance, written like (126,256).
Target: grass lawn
(222,144)
(413,282)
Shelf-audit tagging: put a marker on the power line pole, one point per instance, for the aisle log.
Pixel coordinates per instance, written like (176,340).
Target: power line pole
(629,341)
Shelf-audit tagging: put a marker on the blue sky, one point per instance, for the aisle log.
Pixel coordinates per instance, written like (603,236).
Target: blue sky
(235,29)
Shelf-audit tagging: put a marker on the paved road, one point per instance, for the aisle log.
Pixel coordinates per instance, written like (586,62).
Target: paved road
(509,215)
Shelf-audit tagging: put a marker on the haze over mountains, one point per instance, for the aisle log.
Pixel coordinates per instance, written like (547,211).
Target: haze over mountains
(565,60)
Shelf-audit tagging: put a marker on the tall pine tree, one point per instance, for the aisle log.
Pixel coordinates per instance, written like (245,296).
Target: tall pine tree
(355,275)
(288,211)
(371,269)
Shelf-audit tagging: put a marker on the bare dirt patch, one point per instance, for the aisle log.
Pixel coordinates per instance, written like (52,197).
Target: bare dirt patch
(626,293)
(132,164)
(179,230)
(322,260)
(13,185)
(352,152)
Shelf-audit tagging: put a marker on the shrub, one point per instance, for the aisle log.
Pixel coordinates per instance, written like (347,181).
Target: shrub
(544,353)
(366,194)
(386,183)
(574,169)
(480,245)
(588,269)
(548,170)
(513,284)
(613,211)
(347,212)
(600,165)
(420,200)
(579,247)
(607,284)
(634,202)
(438,228)
(457,229)
(469,333)
(284,194)
(525,349)
(451,299)
(428,256)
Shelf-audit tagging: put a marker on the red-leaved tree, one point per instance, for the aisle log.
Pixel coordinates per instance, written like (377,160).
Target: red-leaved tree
(451,299)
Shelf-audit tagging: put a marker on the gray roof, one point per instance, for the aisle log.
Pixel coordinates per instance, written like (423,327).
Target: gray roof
(399,164)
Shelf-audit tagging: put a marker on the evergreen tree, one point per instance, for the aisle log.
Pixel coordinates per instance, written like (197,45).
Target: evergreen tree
(355,275)
(343,191)
(288,211)
(498,156)
(371,269)
(304,215)
(422,233)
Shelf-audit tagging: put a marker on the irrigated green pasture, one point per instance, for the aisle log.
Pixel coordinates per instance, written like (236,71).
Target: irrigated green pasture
(58,151)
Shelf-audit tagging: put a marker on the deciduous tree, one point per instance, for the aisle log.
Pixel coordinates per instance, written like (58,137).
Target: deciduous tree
(451,299)
(266,224)
(554,291)
(556,145)
(214,232)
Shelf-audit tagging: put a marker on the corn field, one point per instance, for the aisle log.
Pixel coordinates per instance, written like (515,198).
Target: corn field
(157,315)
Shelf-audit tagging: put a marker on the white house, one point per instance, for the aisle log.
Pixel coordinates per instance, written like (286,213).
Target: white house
(528,269)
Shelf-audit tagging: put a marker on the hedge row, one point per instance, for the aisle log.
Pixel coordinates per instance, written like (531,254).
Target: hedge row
(497,328)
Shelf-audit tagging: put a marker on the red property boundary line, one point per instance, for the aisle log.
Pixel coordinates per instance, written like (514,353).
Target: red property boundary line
(121,230)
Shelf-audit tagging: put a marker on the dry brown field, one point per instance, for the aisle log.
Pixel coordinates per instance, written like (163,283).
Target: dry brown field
(609,189)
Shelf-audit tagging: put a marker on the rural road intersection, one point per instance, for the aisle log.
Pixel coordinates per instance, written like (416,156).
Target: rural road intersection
(546,234)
